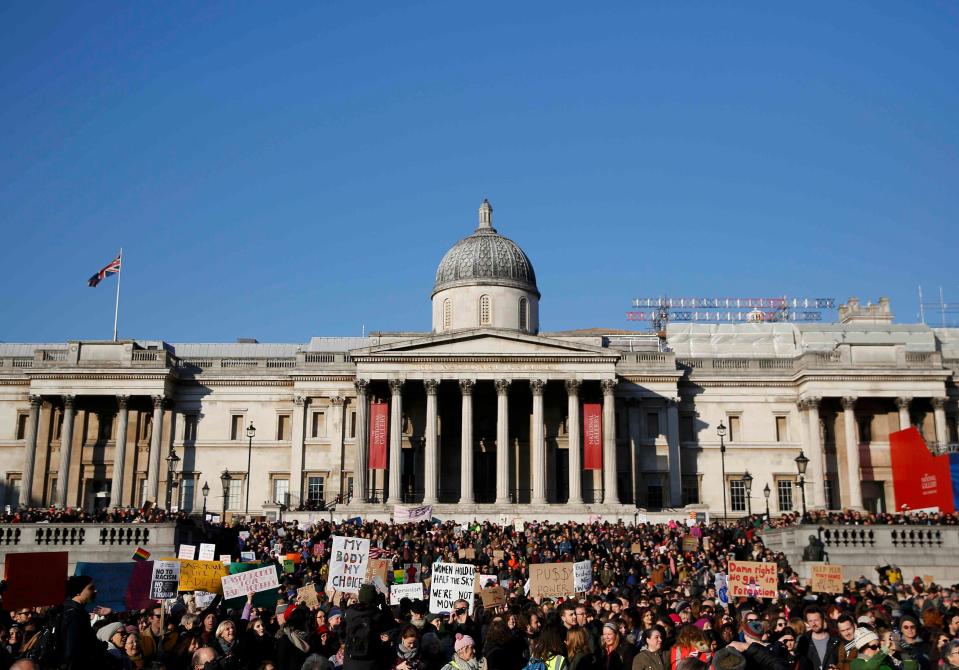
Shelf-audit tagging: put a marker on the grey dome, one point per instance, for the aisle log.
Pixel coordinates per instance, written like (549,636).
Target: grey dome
(485,257)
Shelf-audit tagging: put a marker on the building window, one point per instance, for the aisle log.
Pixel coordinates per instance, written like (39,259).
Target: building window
(737,495)
(13,491)
(523,314)
(784,489)
(190,422)
(690,490)
(283,427)
(687,428)
(652,425)
(104,427)
(314,490)
(234,496)
(22,426)
(236,427)
(781,435)
(484,309)
(143,492)
(830,501)
(54,501)
(654,493)
(281,491)
(734,428)
(447,314)
(319,424)
(865,429)
(187,490)
(352,424)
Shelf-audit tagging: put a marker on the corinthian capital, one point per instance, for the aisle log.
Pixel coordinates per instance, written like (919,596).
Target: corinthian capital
(608,386)
(903,402)
(466,386)
(572,386)
(361,385)
(938,403)
(431,386)
(849,402)
(537,386)
(396,386)
(502,386)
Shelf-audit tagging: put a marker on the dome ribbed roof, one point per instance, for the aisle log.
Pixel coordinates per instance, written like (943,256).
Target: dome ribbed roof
(485,257)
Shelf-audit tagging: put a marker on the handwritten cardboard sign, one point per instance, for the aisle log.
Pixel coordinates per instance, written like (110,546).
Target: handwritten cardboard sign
(377,567)
(399,591)
(307,596)
(551,580)
(582,576)
(166,578)
(493,596)
(690,543)
(451,582)
(187,552)
(261,579)
(826,578)
(202,575)
(348,563)
(636,548)
(751,579)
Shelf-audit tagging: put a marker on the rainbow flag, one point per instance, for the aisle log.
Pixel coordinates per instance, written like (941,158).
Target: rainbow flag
(141,554)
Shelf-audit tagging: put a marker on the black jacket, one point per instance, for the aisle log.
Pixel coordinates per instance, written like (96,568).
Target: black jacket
(760,657)
(809,656)
(378,620)
(78,644)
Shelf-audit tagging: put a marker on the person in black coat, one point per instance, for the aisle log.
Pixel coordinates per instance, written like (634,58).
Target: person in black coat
(366,623)
(817,637)
(78,644)
(293,645)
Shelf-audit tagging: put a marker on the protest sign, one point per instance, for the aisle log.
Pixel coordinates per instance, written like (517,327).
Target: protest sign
(111,579)
(706,544)
(493,596)
(377,567)
(519,525)
(226,559)
(295,557)
(751,579)
(261,579)
(34,579)
(243,534)
(636,548)
(400,591)
(187,552)
(451,582)
(203,599)
(201,575)
(690,543)
(582,576)
(307,596)
(166,577)
(487,580)
(641,518)
(288,566)
(411,514)
(412,571)
(247,556)
(137,596)
(551,580)
(207,551)
(399,576)
(498,555)
(348,562)
(826,578)
(318,549)
(722,591)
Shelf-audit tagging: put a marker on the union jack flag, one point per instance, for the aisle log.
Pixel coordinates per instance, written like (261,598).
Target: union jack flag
(111,268)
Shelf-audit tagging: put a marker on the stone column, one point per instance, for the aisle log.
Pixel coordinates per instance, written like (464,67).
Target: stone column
(502,441)
(430,449)
(904,419)
(538,444)
(119,452)
(66,444)
(635,436)
(360,448)
(942,429)
(30,451)
(396,442)
(675,453)
(852,453)
(610,495)
(575,447)
(816,453)
(297,450)
(335,428)
(153,473)
(466,443)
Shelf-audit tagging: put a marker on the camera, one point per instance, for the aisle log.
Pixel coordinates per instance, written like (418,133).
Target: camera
(460,611)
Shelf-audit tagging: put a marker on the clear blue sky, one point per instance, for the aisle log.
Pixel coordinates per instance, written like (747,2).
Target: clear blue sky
(280,171)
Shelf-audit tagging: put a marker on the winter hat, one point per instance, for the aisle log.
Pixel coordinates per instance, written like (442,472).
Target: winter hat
(864,636)
(281,611)
(728,658)
(76,584)
(682,605)
(108,631)
(336,611)
(701,623)
(462,641)
(754,629)
(864,619)
(367,594)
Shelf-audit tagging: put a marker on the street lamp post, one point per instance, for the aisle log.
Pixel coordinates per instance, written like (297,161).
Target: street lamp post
(748,484)
(801,464)
(766,492)
(250,432)
(171,462)
(206,492)
(721,431)
(225,479)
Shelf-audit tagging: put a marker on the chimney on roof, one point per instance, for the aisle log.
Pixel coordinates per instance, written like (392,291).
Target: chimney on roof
(853,312)
(247,340)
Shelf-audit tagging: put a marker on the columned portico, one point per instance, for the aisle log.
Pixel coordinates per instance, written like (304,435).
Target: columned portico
(360,448)
(120,449)
(853,477)
(466,443)
(538,444)
(66,445)
(502,441)
(817,454)
(297,450)
(30,451)
(573,429)
(396,441)
(675,454)
(610,494)
(153,474)
(430,469)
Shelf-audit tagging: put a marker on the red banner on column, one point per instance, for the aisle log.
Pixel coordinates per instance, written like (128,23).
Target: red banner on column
(919,479)
(379,426)
(592,436)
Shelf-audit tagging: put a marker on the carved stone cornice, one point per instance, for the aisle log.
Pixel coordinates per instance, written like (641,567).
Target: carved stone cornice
(502,386)
(608,386)
(848,402)
(361,386)
(572,386)
(396,386)
(537,386)
(431,386)
(466,386)
(903,402)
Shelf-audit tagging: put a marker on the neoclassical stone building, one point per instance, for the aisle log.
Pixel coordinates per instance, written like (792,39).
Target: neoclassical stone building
(484,411)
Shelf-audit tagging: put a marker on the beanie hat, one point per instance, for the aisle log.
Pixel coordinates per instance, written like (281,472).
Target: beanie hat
(864,636)
(462,641)
(336,611)
(108,631)
(281,613)
(76,584)
(754,629)
(367,595)
(728,658)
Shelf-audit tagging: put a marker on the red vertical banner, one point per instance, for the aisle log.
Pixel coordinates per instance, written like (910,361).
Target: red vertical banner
(379,426)
(919,479)
(592,436)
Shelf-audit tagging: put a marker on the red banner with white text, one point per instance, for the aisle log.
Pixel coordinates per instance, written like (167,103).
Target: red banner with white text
(379,427)
(919,479)
(592,436)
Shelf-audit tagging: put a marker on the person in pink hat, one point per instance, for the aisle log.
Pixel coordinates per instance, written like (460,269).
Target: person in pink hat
(464,654)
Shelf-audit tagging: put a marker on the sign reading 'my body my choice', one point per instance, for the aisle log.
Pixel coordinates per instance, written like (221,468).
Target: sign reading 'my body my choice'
(348,562)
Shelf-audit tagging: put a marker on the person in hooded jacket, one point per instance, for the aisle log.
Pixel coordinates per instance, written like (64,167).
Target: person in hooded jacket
(293,646)
(366,624)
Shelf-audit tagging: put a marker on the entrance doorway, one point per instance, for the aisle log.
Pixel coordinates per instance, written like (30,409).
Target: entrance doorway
(97,495)
(484,475)
(874,497)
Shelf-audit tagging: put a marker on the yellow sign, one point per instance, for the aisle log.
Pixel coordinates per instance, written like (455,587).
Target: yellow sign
(202,576)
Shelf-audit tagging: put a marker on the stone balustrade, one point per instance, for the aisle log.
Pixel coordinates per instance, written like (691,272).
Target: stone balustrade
(88,542)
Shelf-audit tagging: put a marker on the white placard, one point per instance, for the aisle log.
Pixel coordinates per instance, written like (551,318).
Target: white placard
(242,583)
(187,552)
(582,576)
(642,518)
(244,534)
(451,582)
(519,525)
(166,577)
(348,561)
(504,520)
(203,599)
(246,556)
(207,551)
(226,559)
(486,580)
(412,591)
(412,514)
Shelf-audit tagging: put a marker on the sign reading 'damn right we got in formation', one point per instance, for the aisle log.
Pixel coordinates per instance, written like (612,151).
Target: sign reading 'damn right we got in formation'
(751,579)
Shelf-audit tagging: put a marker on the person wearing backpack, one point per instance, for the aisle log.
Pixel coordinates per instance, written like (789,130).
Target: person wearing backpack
(77,644)
(549,649)
(366,622)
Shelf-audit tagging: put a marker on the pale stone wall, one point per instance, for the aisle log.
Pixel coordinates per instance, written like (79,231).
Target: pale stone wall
(504,304)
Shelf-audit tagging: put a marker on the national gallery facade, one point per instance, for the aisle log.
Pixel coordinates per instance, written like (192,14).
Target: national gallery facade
(481,416)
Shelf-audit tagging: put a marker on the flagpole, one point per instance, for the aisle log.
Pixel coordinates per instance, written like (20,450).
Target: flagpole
(116,307)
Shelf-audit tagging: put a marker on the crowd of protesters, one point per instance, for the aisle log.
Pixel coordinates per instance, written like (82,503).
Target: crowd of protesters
(76,515)
(652,606)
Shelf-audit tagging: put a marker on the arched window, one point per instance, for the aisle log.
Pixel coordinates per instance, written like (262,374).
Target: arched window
(484,311)
(447,314)
(523,315)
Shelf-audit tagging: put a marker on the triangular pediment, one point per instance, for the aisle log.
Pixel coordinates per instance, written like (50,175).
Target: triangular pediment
(484,341)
